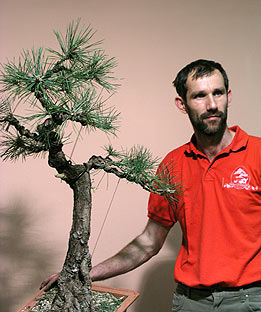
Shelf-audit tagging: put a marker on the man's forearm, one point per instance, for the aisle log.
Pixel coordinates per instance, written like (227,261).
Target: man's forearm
(140,250)
(129,258)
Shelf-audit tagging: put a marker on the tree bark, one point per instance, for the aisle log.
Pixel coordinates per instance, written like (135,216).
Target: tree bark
(74,283)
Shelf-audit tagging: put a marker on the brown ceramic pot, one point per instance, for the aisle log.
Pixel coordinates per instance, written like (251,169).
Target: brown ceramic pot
(130,295)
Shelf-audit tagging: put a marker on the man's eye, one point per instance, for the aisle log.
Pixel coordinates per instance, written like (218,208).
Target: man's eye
(218,92)
(199,95)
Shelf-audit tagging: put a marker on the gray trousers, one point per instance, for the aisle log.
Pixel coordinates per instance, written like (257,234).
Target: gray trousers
(246,299)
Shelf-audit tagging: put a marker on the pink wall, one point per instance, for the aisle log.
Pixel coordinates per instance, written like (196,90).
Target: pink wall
(151,40)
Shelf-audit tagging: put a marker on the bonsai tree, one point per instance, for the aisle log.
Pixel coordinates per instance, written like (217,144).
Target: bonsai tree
(61,88)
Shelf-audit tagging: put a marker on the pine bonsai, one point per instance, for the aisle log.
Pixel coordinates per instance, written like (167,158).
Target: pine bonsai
(62,88)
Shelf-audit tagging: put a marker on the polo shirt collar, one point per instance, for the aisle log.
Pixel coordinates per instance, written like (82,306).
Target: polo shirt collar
(239,141)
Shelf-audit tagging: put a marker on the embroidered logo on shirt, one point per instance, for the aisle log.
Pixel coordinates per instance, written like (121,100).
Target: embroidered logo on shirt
(240,180)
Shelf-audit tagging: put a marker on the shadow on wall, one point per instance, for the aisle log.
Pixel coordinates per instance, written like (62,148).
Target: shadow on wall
(156,290)
(21,258)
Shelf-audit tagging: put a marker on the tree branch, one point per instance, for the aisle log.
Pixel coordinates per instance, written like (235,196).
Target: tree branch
(150,184)
(12,121)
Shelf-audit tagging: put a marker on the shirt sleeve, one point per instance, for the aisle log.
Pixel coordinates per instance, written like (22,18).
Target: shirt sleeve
(160,210)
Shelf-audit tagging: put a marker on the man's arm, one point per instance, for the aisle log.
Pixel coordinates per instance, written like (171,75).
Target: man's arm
(140,250)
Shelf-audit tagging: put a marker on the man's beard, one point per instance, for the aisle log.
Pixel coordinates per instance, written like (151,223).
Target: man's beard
(210,127)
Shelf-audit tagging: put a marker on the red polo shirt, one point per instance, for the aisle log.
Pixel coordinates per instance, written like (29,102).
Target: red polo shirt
(219,213)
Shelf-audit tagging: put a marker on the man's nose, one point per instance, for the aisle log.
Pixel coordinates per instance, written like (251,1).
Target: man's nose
(211,103)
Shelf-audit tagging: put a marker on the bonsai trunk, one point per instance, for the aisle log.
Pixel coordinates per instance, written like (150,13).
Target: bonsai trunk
(74,283)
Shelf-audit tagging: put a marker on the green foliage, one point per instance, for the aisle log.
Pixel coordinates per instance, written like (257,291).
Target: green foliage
(59,87)
(17,146)
(137,162)
(67,86)
(138,165)
(19,79)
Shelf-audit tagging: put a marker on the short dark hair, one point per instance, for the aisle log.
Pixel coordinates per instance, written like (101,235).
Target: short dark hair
(199,69)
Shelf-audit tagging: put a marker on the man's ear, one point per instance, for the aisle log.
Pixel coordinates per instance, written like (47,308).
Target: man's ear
(180,104)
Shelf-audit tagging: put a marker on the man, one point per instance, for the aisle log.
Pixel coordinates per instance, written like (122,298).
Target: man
(219,265)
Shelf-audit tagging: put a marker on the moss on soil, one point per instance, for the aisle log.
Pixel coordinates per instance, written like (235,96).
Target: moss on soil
(102,302)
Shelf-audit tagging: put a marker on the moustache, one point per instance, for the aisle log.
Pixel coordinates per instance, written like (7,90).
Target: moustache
(209,114)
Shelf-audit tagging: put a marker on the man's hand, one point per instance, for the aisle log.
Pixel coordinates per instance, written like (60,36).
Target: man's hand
(49,281)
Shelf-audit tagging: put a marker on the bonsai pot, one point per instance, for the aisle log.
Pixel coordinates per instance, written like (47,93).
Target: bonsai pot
(129,297)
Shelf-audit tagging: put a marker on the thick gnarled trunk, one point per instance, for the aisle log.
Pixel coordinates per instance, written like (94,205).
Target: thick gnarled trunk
(74,284)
